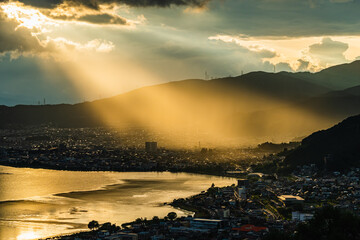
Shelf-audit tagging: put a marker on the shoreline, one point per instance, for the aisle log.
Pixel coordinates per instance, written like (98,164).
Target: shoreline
(169,202)
(225,175)
(183,207)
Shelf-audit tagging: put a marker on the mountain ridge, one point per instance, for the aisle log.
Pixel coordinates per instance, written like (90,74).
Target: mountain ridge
(254,104)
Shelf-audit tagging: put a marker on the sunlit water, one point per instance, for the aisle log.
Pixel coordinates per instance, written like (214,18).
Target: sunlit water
(37,203)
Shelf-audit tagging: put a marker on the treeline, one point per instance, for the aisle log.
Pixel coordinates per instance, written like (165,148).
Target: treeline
(328,224)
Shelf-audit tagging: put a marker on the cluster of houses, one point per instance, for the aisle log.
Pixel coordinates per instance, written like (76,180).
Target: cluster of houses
(255,206)
(98,149)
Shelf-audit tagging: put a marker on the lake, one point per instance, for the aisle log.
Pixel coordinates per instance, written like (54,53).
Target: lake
(38,203)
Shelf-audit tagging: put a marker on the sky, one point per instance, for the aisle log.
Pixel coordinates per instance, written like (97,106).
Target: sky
(69,51)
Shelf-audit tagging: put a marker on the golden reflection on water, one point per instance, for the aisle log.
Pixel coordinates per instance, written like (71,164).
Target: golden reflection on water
(27,236)
(38,203)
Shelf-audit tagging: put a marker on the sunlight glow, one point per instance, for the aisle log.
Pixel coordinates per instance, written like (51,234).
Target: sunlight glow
(290,50)
(26,16)
(27,236)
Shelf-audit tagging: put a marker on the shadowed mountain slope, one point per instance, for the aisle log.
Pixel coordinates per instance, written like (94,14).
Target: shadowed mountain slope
(337,77)
(340,143)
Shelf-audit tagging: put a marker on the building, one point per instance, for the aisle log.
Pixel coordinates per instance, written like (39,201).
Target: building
(298,216)
(150,146)
(243,183)
(242,186)
(291,199)
(206,223)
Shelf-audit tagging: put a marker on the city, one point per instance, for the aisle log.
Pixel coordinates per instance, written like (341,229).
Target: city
(256,206)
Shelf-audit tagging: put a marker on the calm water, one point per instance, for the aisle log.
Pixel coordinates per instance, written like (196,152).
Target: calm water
(37,203)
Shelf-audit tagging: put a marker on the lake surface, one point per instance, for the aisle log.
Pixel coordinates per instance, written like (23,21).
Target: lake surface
(38,203)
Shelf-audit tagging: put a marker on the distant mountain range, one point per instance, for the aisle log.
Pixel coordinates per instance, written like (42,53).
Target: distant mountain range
(339,144)
(337,77)
(258,104)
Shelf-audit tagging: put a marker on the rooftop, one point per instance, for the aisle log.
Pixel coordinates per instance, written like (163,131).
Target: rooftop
(290,198)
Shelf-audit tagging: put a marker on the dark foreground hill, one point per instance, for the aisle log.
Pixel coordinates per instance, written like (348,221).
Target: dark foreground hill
(339,145)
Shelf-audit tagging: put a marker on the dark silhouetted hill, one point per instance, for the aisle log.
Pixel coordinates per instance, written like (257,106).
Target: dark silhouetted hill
(340,143)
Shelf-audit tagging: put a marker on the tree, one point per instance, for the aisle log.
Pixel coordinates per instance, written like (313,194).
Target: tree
(106,226)
(331,224)
(109,227)
(277,235)
(328,224)
(93,225)
(156,219)
(172,215)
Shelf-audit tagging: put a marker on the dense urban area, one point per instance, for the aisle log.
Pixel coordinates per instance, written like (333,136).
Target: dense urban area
(262,205)
(101,149)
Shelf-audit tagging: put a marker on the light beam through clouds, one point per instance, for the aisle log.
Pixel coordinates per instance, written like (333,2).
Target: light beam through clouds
(189,37)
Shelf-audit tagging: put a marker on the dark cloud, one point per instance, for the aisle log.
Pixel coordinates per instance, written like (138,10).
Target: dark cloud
(341,1)
(292,17)
(289,18)
(94,4)
(97,16)
(67,13)
(278,18)
(14,38)
(93,18)
(103,19)
(157,3)
(40,3)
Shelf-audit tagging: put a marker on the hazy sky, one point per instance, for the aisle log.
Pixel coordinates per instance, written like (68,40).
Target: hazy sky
(75,50)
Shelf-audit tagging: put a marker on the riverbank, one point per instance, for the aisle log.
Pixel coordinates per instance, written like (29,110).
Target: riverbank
(255,208)
(30,197)
(199,212)
(228,174)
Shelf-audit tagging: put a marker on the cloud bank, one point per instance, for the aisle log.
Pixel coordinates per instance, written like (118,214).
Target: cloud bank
(95,4)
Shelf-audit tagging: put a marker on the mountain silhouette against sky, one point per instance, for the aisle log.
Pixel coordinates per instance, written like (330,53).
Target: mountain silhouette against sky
(257,104)
(337,77)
